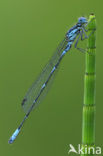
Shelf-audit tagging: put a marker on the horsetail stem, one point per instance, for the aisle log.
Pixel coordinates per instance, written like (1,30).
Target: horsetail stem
(88,124)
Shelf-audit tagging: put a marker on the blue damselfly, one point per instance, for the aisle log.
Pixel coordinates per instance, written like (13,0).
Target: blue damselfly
(33,96)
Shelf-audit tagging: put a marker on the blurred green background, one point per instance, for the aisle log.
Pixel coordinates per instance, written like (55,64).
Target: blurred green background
(30,30)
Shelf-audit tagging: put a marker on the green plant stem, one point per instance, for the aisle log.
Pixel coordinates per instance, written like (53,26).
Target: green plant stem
(88,124)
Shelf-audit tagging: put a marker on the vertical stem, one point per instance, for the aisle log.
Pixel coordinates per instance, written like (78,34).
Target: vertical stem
(88,125)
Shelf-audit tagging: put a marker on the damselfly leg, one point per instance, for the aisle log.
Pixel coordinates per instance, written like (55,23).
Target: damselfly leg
(80,37)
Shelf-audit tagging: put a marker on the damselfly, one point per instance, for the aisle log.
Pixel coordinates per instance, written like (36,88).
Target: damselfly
(38,89)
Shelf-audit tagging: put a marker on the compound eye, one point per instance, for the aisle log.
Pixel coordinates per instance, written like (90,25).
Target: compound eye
(80,19)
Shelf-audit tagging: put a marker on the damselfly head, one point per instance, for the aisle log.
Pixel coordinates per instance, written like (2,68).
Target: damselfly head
(82,20)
